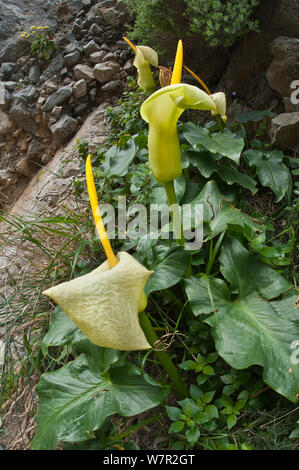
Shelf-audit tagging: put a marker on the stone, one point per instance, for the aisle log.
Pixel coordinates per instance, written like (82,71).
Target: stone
(86,4)
(56,111)
(22,115)
(13,49)
(6,178)
(5,99)
(34,74)
(93,94)
(74,46)
(91,47)
(113,17)
(6,125)
(284,131)
(108,57)
(97,57)
(284,68)
(72,58)
(53,68)
(85,72)
(10,86)
(112,86)
(63,129)
(7,68)
(57,98)
(80,89)
(96,29)
(27,93)
(105,71)
(50,85)
(129,67)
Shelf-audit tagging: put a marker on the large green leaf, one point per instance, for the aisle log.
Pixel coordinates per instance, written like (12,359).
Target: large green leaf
(76,399)
(223,143)
(252,329)
(206,294)
(207,164)
(169,268)
(270,170)
(219,213)
(120,161)
(254,116)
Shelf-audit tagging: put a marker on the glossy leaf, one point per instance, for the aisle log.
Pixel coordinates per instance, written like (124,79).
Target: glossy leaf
(225,144)
(169,267)
(76,399)
(271,171)
(252,330)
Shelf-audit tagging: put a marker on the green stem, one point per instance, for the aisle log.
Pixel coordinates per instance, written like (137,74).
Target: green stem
(175,212)
(179,386)
(219,122)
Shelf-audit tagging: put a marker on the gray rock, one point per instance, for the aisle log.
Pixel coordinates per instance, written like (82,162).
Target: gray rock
(112,86)
(27,93)
(284,131)
(85,72)
(74,46)
(6,124)
(56,111)
(50,85)
(63,129)
(91,47)
(5,99)
(113,17)
(6,178)
(284,68)
(109,56)
(23,116)
(97,57)
(14,49)
(72,58)
(7,68)
(86,4)
(80,89)
(57,98)
(10,86)
(129,67)
(53,68)
(96,29)
(34,74)
(105,71)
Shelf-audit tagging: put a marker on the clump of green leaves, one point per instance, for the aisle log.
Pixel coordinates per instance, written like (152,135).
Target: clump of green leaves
(221,23)
(124,119)
(218,22)
(42,42)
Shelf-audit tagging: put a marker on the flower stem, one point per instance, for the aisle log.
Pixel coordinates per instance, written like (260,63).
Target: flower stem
(175,212)
(179,386)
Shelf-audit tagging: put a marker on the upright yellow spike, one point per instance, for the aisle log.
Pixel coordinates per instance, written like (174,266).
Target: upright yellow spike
(178,65)
(130,44)
(112,260)
(199,80)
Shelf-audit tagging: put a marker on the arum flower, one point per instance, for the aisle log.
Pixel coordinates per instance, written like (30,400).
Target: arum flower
(218,98)
(144,56)
(105,303)
(162,111)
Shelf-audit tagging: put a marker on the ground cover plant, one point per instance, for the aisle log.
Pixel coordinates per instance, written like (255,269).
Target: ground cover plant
(220,369)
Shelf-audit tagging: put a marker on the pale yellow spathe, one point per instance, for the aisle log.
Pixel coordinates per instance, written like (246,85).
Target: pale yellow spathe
(104,303)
